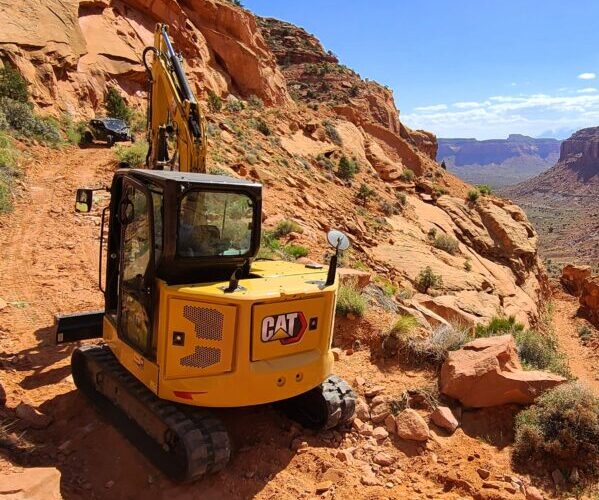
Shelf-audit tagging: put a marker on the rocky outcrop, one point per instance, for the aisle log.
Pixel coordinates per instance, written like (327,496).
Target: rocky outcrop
(589,299)
(38,483)
(573,278)
(71,51)
(487,372)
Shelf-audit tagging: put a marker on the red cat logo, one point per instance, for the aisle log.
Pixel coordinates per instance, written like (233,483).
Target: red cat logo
(288,328)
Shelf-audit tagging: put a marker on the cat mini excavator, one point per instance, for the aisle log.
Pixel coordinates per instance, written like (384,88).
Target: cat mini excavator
(192,320)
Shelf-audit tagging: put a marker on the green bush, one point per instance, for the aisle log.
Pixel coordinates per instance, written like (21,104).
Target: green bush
(215,103)
(285,227)
(402,199)
(347,168)
(364,193)
(296,251)
(261,126)
(234,105)
(447,244)
(561,430)
(499,325)
(332,132)
(472,195)
(21,118)
(219,171)
(12,85)
(350,300)
(134,155)
(467,265)
(428,279)
(584,332)
(73,130)
(255,102)
(325,162)
(116,107)
(269,247)
(407,175)
(9,172)
(484,189)
(404,325)
(432,233)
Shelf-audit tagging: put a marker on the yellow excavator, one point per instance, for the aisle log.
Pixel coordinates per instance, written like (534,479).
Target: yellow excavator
(192,320)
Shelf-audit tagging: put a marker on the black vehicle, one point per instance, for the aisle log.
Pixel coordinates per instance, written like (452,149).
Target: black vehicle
(109,130)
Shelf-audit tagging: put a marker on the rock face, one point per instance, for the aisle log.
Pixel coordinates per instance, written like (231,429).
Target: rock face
(573,277)
(70,51)
(567,195)
(589,299)
(487,372)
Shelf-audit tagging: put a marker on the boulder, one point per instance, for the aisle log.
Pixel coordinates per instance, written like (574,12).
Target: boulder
(573,277)
(39,483)
(410,425)
(589,299)
(487,372)
(347,275)
(444,418)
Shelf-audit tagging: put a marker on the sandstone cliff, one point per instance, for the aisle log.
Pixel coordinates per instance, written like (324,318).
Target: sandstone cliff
(317,112)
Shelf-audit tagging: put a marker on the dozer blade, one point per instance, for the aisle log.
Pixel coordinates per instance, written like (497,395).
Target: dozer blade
(184,442)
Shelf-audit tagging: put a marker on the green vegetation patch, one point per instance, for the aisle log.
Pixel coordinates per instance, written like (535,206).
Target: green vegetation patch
(350,300)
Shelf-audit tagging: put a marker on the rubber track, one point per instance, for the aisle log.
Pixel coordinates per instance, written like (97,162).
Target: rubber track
(199,442)
(340,401)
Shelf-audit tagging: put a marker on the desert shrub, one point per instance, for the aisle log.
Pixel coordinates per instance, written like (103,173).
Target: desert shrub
(428,279)
(219,171)
(561,430)
(13,85)
(134,155)
(350,300)
(404,325)
(325,162)
(446,243)
(432,233)
(116,107)
(234,105)
(484,189)
(354,90)
(584,332)
(499,325)
(73,131)
(347,168)
(21,118)
(365,192)
(401,198)
(269,247)
(467,265)
(407,175)
(261,126)
(296,251)
(215,103)
(388,209)
(432,348)
(138,122)
(332,132)
(472,195)
(255,102)
(9,172)
(285,227)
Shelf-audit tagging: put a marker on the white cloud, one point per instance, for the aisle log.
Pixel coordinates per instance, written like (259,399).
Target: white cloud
(587,76)
(431,109)
(501,115)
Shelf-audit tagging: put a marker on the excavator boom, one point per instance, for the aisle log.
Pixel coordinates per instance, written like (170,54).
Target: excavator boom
(176,127)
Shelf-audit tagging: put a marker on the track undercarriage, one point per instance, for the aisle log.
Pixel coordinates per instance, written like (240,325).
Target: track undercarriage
(187,442)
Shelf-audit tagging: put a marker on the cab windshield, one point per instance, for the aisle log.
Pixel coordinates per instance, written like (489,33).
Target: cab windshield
(214,223)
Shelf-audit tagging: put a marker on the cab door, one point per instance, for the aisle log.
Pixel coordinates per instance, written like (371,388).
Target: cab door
(136,276)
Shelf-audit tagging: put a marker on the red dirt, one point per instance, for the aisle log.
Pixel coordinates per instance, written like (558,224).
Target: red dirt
(49,264)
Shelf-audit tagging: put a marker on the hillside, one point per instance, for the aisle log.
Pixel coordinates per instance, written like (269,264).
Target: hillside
(563,201)
(331,152)
(498,162)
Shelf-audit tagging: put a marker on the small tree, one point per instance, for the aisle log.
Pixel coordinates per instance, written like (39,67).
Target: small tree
(473,195)
(443,166)
(12,85)
(364,193)
(347,168)
(428,279)
(215,103)
(116,106)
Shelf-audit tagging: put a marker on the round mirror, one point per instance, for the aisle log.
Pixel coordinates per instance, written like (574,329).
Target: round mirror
(337,239)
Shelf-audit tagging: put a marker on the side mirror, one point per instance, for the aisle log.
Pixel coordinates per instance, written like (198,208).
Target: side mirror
(339,241)
(83,200)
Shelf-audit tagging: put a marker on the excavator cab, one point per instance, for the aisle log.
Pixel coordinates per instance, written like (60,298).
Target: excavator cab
(191,319)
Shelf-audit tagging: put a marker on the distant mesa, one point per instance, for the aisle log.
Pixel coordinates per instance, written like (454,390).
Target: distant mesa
(498,162)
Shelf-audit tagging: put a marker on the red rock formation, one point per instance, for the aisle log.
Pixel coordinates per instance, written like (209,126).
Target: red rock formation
(487,372)
(573,278)
(589,299)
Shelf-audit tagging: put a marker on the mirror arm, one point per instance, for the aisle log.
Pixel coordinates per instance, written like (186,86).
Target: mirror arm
(332,268)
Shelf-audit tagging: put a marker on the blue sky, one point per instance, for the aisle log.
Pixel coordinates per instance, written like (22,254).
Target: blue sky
(466,68)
